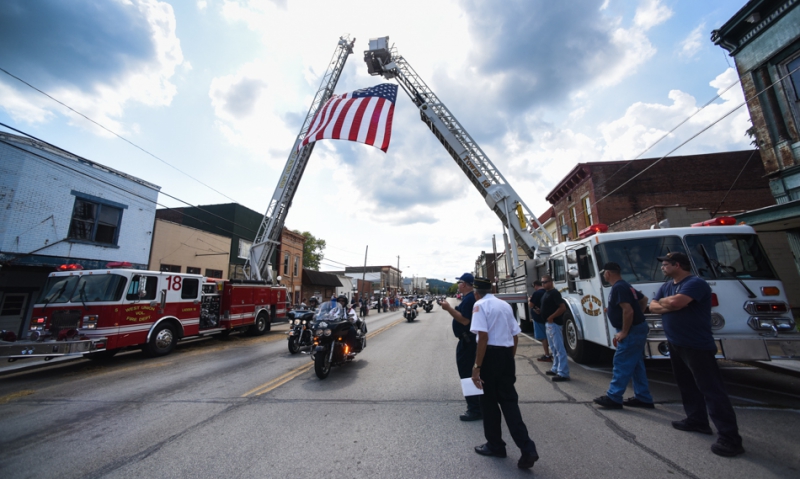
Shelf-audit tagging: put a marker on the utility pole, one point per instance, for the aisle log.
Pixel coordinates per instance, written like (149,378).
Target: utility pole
(364,271)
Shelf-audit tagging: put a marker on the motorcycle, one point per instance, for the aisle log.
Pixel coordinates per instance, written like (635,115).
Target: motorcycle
(300,334)
(411,312)
(331,328)
(427,304)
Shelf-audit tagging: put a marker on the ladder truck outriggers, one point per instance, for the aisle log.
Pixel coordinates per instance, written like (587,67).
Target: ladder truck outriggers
(751,316)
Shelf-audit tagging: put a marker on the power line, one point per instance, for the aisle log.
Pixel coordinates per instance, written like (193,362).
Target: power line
(114,133)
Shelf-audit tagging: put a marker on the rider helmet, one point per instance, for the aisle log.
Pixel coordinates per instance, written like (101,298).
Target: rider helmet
(342,299)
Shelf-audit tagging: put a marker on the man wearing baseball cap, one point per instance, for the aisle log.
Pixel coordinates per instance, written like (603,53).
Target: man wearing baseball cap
(685,308)
(467,341)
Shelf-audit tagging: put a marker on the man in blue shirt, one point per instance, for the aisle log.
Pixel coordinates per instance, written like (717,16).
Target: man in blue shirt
(684,304)
(627,318)
(467,342)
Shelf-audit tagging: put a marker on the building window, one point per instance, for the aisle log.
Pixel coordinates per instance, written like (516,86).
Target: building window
(587,211)
(214,273)
(192,270)
(170,268)
(792,67)
(296,264)
(573,213)
(561,223)
(244,249)
(95,220)
(286,263)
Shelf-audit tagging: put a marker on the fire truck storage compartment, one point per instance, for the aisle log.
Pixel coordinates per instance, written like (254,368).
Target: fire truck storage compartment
(210,307)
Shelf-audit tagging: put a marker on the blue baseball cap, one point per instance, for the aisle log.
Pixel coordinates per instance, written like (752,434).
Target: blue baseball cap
(467,278)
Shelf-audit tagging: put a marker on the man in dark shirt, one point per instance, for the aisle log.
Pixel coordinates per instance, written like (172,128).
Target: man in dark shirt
(467,342)
(553,309)
(627,318)
(684,304)
(539,329)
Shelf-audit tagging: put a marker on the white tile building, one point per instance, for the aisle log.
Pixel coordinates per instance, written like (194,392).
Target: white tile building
(57,208)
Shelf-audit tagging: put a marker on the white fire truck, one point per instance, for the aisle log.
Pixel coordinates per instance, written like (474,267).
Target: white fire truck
(751,317)
(100,312)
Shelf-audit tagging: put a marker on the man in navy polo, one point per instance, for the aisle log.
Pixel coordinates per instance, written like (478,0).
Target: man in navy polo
(684,304)
(467,342)
(627,318)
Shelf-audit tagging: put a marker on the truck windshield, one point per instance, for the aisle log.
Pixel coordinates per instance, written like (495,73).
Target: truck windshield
(637,257)
(729,257)
(83,289)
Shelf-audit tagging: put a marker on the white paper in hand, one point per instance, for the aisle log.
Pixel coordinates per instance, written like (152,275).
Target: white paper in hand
(469,388)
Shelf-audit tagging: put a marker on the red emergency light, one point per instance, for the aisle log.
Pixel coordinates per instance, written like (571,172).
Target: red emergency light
(70,267)
(118,264)
(592,229)
(721,221)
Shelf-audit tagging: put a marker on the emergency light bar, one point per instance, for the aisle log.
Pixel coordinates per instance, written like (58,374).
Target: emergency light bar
(592,229)
(70,267)
(721,221)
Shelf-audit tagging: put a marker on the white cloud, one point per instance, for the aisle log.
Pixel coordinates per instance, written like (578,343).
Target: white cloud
(651,13)
(693,42)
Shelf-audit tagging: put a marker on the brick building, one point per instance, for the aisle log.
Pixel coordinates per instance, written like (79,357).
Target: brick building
(58,208)
(290,255)
(594,193)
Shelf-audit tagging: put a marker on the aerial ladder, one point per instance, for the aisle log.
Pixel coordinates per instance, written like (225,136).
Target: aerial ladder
(535,241)
(267,238)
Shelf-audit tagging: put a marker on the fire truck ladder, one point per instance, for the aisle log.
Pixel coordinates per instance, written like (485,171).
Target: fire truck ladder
(258,265)
(497,192)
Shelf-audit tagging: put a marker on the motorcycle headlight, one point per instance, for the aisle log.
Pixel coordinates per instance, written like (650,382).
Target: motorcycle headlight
(305,321)
(327,332)
(296,321)
(318,332)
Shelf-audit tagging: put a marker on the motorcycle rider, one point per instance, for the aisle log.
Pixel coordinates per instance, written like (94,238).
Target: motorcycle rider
(349,313)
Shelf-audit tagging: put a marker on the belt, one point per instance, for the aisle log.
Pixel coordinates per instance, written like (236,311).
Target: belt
(489,346)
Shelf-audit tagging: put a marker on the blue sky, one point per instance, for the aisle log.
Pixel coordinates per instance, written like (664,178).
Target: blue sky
(219,89)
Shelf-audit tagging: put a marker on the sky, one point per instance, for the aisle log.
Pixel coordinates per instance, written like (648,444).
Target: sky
(217,91)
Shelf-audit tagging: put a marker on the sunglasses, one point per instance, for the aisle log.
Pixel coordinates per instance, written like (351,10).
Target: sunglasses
(545,282)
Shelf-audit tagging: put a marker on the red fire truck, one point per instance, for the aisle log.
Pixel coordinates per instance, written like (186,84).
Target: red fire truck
(99,312)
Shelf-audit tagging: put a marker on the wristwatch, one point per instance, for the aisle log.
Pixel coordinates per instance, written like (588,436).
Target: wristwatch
(476,366)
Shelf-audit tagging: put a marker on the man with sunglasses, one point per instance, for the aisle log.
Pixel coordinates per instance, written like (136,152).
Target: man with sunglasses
(467,342)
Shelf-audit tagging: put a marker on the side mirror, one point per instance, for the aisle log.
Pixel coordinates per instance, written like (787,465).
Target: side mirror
(572,256)
(142,292)
(573,271)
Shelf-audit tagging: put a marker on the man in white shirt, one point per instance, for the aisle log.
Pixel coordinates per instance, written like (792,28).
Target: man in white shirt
(494,372)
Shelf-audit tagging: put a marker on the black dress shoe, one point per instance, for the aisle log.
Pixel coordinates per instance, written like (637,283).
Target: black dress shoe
(685,425)
(607,403)
(557,379)
(485,450)
(527,460)
(471,416)
(550,373)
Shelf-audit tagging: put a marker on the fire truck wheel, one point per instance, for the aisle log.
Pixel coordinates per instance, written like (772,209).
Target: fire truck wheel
(162,341)
(101,355)
(261,326)
(576,348)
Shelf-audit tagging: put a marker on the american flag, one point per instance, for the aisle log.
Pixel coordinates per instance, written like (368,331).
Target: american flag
(364,116)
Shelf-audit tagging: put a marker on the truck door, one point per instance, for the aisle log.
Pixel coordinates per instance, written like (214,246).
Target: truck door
(139,311)
(588,288)
(183,301)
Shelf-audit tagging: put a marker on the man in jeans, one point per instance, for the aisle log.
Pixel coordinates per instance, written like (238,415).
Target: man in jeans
(627,318)
(539,328)
(685,308)
(553,308)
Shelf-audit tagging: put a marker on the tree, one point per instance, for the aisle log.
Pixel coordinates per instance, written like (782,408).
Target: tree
(453,289)
(313,250)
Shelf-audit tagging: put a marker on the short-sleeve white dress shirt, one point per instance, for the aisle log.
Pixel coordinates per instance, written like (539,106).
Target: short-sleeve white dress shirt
(495,317)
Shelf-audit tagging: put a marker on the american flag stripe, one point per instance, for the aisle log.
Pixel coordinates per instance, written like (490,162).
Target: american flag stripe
(364,116)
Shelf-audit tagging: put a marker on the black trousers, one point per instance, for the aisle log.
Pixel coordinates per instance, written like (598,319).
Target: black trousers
(465,359)
(702,391)
(499,375)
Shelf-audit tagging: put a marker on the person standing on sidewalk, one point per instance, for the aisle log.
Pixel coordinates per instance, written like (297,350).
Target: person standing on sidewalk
(627,318)
(539,328)
(495,372)
(553,309)
(685,308)
(467,342)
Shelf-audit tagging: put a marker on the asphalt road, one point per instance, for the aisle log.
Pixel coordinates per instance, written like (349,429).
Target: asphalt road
(246,408)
